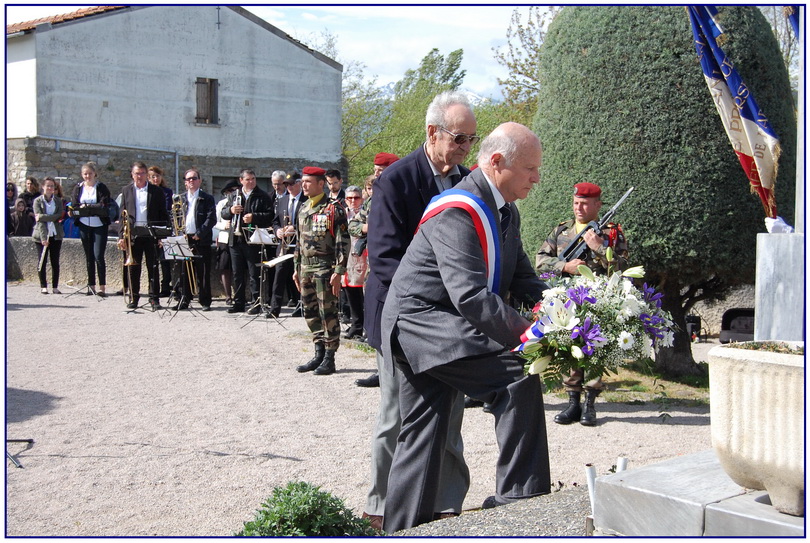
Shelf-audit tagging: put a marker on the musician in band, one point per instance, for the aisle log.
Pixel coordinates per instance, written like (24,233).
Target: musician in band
(200,217)
(145,205)
(248,208)
(284,226)
(586,206)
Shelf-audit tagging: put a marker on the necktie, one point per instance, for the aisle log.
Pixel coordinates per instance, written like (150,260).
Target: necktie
(506,219)
(291,210)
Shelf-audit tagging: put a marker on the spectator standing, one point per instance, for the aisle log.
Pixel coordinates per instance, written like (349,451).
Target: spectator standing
(357,265)
(93,196)
(223,255)
(155,177)
(48,233)
(30,194)
(21,223)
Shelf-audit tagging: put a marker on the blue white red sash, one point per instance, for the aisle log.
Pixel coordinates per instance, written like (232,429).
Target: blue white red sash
(484,223)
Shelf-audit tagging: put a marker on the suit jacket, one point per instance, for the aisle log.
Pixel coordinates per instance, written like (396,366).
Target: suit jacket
(156,213)
(439,302)
(204,216)
(401,195)
(259,204)
(41,226)
(283,218)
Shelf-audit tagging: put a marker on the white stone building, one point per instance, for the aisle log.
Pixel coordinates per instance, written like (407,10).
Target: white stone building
(210,86)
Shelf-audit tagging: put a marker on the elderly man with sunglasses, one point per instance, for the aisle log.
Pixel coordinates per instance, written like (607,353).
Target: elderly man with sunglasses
(401,195)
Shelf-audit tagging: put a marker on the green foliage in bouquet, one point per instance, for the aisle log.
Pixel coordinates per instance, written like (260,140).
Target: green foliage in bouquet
(301,509)
(596,323)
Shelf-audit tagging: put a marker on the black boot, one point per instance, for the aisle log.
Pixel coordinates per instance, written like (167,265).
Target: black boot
(589,416)
(572,412)
(328,365)
(316,360)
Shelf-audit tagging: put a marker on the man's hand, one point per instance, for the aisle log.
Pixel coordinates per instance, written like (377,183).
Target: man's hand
(335,282)
(594,240)
(571,267)
(247,218)
(236,210)
(295,280)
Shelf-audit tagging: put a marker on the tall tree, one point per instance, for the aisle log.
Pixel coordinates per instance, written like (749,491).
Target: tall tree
(521,57)
(786,38)
(622,103)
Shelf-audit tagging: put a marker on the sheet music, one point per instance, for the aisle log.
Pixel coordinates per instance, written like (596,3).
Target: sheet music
(176,248)
(263,236)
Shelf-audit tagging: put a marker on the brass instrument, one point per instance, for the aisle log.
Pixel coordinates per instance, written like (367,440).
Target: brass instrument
(179,225)
(237,220)
(126,234)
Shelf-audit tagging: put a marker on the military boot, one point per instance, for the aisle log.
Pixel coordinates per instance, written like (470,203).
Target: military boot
(589,415)
(572,412)
(328,365)
(316,360)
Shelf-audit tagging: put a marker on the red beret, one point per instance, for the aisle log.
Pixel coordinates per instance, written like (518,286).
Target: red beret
(587,190)
(314,170)
(385,159)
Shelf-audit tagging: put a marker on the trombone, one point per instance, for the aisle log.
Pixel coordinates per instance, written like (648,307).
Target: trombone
(128,260)
(179,226)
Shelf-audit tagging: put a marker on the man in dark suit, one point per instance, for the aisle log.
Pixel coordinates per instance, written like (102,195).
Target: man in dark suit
(246,208)
(200,218)
(400,196)
(284,225)
(145,205)
(446,324)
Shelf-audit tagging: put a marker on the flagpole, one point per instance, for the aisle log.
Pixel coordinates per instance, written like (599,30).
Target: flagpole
(800,131)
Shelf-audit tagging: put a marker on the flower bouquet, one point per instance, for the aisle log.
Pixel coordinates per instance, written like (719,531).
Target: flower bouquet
(596,323)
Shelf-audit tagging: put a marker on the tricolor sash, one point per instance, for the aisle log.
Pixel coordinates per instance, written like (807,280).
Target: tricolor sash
(484,223)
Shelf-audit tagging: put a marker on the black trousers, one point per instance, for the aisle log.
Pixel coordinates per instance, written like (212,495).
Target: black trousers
(425,400)
(281,283)
(354,295)
(144,247)
(54,249)
(202,272)
(244,260)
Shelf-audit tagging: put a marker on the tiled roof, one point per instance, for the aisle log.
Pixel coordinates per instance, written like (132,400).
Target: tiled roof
(54,19)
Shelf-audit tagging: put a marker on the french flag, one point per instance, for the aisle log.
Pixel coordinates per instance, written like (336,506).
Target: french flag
(751,135)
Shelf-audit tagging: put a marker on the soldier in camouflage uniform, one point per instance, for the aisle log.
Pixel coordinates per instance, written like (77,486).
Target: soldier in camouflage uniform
(587,203)
(320,262)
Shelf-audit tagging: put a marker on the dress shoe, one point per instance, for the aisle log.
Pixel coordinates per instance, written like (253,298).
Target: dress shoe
(297,313)
(273,313)
(155,305)
(491,503)
(472,402)
(371,381)
(352,335)
(236,309)
(132,305)
(119,292)
(165,292)
(376,521)
(101,294)
(228,301)
(179,307)
(90,291)
(255,310)
(206,308)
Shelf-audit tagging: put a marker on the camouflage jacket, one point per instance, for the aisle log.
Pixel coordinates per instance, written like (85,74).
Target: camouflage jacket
(357,222)
(323,238)
(547,259)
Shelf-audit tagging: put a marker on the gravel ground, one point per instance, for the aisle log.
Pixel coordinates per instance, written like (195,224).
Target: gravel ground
(148,425)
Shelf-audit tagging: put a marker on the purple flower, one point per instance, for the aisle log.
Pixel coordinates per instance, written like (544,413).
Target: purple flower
(590,333)
(650,296)
(580,295)
(651,325)
(548,275)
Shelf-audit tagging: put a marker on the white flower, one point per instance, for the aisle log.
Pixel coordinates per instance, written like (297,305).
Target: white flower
(560,317)
(636,272)
(577,353)
(539,365)
(626,340)
(668,338)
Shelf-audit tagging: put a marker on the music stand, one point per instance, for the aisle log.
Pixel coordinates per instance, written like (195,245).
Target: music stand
(272,264)
(177,248)
(12,457)
(263,237)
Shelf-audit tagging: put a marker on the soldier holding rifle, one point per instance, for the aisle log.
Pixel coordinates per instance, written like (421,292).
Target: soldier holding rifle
(552,258)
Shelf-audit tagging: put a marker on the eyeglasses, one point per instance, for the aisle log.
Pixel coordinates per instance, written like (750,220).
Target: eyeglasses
(461,139)
(352,197)
(193,178)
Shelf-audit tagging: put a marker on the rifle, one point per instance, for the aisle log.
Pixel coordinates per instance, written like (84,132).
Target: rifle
(578,246)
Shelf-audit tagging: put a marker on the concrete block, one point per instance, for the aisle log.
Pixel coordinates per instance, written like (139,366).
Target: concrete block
(664,499)
(750,515)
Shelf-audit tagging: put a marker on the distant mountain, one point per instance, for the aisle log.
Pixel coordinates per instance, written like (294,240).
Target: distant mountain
(475,99)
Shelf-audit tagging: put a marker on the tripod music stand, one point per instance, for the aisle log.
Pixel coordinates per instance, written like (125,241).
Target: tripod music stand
(76,213)
(263,237)
(177,248)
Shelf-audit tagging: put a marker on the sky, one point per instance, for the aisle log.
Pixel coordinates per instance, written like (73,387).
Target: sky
(388,39)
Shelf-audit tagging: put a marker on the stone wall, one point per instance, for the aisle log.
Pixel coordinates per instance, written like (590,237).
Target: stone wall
(22,262)
(711,314)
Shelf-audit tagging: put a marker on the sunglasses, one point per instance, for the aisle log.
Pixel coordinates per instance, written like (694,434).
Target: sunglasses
(461,139)
(192,178)
(352,197)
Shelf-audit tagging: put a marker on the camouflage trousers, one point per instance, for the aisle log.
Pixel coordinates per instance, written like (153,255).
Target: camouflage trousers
(320,308)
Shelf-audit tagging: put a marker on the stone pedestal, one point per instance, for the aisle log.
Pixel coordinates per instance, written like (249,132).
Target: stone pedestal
(780,288)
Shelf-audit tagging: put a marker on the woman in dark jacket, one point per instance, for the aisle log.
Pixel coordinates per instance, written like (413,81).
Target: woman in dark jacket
(91,199)
(155,174)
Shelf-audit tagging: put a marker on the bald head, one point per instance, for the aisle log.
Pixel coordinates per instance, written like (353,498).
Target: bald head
(511,157)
